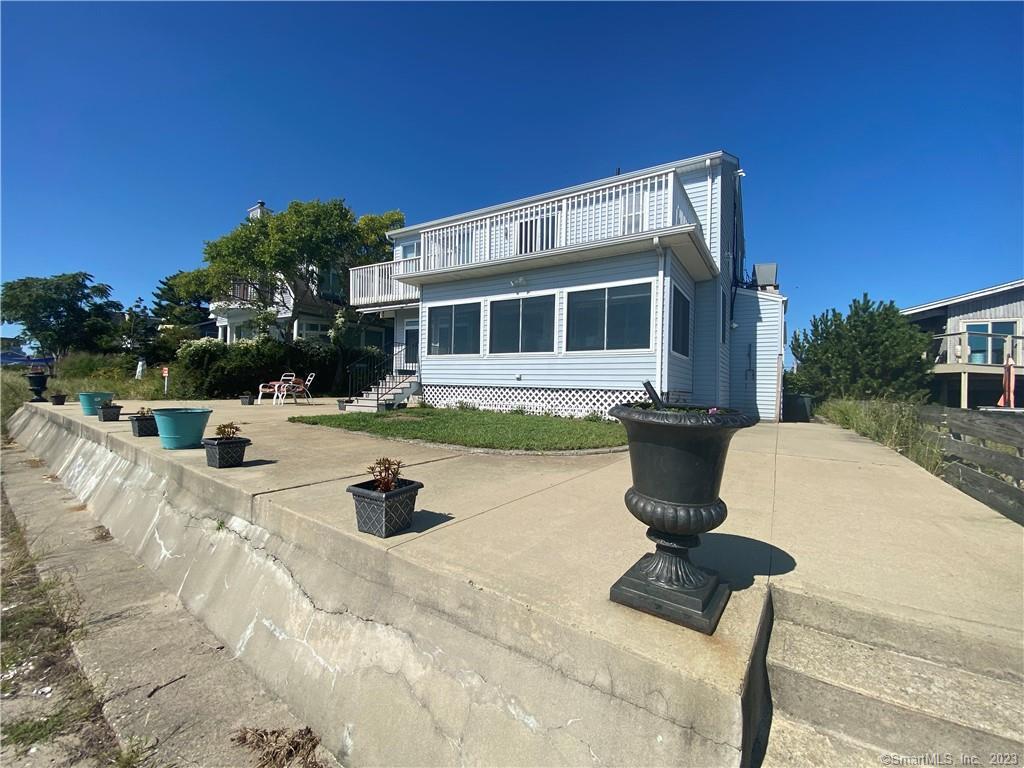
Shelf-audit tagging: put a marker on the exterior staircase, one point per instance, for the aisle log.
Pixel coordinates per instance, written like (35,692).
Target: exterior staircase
(849,686)
(392,390)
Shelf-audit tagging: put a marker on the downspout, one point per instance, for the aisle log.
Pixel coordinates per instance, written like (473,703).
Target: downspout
(660,376)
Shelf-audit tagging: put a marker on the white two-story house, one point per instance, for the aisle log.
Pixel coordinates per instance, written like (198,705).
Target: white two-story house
(566,302)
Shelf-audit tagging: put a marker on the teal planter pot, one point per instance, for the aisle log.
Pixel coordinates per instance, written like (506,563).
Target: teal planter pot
(91,400)
(181,427)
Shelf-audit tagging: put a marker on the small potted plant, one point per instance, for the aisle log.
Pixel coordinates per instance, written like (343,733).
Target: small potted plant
(107,411)
(227,449)
(247,398)
(343,402)
(143,423)
(58,397)
(384,505)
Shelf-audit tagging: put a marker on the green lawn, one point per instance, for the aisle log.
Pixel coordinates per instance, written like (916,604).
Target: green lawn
(479,429)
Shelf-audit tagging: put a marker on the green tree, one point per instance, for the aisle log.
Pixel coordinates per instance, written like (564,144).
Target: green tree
(62,312)
(314,242)
(871,352)
(178,300)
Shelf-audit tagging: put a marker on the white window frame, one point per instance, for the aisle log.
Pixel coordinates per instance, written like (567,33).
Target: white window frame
(676,286)
(652,281)
(415,250)
(426,326)
(522,295)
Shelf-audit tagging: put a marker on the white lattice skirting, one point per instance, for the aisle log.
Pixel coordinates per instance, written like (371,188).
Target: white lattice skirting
(558,402)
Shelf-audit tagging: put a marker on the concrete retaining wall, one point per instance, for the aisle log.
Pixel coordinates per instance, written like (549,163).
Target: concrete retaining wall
(391,662)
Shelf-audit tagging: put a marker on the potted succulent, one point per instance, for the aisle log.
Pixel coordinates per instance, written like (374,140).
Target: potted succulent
(247,398)
(677,456)
(227,449)
(384,505)
(143,423)
(58,397)
(108,411)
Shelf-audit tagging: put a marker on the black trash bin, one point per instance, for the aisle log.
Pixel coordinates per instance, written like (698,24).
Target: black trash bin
(797,407)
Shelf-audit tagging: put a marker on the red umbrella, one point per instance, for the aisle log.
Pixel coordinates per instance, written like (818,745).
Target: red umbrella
(1009,384)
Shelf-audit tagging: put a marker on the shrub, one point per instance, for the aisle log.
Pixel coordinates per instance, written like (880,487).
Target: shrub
(385,473)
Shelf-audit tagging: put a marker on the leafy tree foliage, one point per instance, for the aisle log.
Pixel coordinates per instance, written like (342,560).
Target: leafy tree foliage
(872,352)
(310,242)
(62,312)
(177,300)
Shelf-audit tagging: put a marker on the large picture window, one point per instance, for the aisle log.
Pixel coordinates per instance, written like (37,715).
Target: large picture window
(454,329)
(989,349)
(680,323)
(610,318)
(523,325)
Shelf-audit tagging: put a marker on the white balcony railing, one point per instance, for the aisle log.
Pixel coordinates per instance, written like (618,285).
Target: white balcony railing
(376,284)
(613,210)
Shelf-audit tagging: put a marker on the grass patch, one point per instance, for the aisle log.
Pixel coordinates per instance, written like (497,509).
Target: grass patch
(480,429)
(894,425)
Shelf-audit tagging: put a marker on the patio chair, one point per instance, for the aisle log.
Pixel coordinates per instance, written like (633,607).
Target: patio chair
(295,388)
(273,387)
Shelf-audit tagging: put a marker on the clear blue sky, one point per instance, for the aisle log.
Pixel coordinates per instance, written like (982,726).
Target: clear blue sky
(882,143)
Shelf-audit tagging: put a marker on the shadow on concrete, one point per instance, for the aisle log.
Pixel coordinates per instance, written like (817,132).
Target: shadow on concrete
(739,559)
(424,520)
(258,462)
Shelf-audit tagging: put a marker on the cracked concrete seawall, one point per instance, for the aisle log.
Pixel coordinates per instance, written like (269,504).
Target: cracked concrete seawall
(397,659)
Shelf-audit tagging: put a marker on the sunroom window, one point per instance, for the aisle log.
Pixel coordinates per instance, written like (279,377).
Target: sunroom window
(454,329)
(610,318)
(523,325)
(680,323)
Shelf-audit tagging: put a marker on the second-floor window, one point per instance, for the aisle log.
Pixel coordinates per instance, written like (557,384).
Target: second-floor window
(454,329)
(986,340)
(410,250)
(617,317)
(523,325)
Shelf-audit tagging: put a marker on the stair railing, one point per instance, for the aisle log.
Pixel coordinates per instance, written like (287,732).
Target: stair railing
(370,374)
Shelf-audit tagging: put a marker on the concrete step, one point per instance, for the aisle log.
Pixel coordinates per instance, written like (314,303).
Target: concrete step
(888,699)
(986,650)
(792,744)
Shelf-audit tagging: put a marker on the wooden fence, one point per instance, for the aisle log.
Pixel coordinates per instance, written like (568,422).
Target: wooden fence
(983,455)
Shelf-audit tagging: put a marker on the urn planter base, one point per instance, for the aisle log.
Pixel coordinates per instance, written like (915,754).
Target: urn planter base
(666,584)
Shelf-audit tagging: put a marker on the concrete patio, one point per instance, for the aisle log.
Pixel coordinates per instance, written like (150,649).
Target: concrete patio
(521,549)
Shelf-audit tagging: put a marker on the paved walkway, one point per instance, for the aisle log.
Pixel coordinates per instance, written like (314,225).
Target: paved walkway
(812,507)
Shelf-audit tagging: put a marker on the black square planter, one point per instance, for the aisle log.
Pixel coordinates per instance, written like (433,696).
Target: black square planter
(109,412)
(384,514)
(144,426)
(224,452)
(58,399)
(247,400)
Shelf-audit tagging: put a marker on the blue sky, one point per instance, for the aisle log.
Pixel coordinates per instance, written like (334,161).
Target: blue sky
(882,143)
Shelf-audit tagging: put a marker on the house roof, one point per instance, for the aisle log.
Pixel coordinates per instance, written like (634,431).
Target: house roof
(686,163)
(963,297)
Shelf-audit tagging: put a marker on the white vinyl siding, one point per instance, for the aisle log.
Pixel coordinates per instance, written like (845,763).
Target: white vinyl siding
(679,370)
(758,344)
(615,369)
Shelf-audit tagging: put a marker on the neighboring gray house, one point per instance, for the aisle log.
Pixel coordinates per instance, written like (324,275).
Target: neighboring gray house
(974,334)
(566,302)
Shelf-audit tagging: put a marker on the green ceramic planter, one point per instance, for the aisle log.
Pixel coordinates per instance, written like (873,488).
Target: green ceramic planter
(181,427)
(91,400)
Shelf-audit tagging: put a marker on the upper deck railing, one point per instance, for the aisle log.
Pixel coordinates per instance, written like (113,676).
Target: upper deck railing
(976,348)
(617,209)
(376,284)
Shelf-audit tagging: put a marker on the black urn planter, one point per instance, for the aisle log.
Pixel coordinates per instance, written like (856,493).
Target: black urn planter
(58,399)
(384,513)
(225,452)
(144,426)
(37,384)
(109,412)
(247,400)
(677,458)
